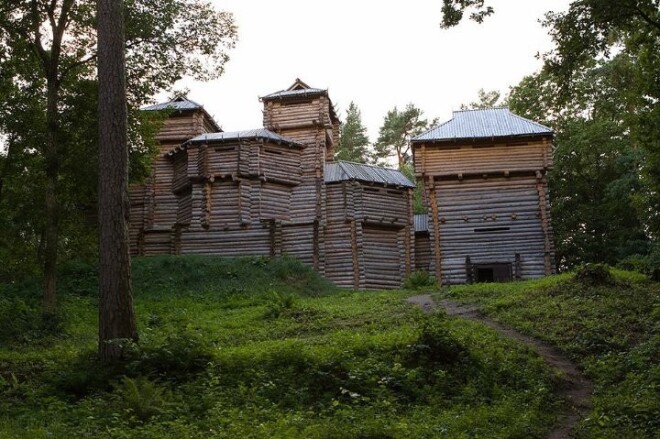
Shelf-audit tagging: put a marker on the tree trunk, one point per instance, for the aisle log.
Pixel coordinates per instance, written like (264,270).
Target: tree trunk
(51,230)
(116,312)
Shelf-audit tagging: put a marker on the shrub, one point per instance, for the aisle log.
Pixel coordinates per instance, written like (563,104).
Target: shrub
(594,274)
(279,303)
(419,279)
(21,321)
(436,345)
(141,398)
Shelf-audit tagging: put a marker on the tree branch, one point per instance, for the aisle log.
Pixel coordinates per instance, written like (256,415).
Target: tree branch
(647,18)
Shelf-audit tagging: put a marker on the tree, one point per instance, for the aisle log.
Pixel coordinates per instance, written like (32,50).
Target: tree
(353,140)
(48,49)
(597,192)
(486,99)
(116,313)
(453,11)
(395,134)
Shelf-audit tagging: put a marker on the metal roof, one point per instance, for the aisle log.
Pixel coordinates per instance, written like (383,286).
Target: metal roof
(297,89)
(342,171)
(295,93)
(176,104)
(421,222)
(260,133)
(483,123)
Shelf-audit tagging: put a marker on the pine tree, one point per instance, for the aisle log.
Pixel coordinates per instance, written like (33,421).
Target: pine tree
(353,141)
(395,134)
(116,312)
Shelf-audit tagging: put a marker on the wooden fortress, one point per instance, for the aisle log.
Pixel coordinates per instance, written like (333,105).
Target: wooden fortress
(277,191)
(484,179)
(274,191)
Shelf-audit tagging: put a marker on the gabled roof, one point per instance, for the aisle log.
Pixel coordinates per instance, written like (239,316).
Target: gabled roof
(300,90)
(345,171)
(297,89)
(179,103)
(233,136)
(483,123)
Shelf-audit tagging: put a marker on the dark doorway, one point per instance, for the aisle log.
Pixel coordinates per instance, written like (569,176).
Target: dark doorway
(492,272)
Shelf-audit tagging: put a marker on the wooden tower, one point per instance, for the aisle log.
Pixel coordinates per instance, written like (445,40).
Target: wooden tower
(484,178)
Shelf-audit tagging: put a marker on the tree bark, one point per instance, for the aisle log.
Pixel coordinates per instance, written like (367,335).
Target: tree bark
(116,312)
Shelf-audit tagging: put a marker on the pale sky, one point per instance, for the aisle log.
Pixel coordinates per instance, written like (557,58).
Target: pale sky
(378,54)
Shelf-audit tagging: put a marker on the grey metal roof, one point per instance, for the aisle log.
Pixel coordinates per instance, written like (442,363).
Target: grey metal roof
(297,89)
(483,123)
(342,171)
(176,104)
(295,93)
(421,222)
(260,133)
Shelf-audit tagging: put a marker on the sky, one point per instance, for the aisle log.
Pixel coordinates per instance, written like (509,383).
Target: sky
(377,54)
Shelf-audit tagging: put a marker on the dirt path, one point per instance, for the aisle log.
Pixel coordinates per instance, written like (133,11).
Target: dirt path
(576,389)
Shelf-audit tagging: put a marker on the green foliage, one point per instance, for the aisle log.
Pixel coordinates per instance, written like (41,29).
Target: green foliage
(594,274)
(453,10)
(21,321)
(141,398)
(279,303)
(353,140)
(395,134)
(419,279)
(333,364)
(487,99)
(598,197)
(610,329)
(165,41)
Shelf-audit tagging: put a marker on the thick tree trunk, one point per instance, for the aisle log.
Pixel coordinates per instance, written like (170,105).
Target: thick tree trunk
(51,230)
(116,312)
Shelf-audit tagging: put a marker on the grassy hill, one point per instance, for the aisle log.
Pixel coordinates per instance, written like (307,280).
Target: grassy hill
(259,348)
(608,322)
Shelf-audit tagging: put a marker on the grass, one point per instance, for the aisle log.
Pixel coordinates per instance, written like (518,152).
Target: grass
(609,327)
(259,348)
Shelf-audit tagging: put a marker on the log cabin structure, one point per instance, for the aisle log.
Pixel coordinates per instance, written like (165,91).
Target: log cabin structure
(484,178)
(273,191)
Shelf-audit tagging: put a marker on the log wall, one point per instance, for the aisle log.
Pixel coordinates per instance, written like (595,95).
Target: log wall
(422,251)
(490,221)
(452,159)
(368,235)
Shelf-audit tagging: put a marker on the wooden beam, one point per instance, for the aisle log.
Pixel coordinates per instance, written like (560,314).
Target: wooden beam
(540,187)
(436,234)
(354,254)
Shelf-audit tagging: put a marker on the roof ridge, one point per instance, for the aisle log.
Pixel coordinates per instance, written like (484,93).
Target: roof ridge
(497,107)
(531,121)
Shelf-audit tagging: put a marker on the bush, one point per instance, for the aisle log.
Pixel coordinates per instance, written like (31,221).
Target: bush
(419,279)
(21,321)
(594,274)
(436,345)
(141,398)
(279,303)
